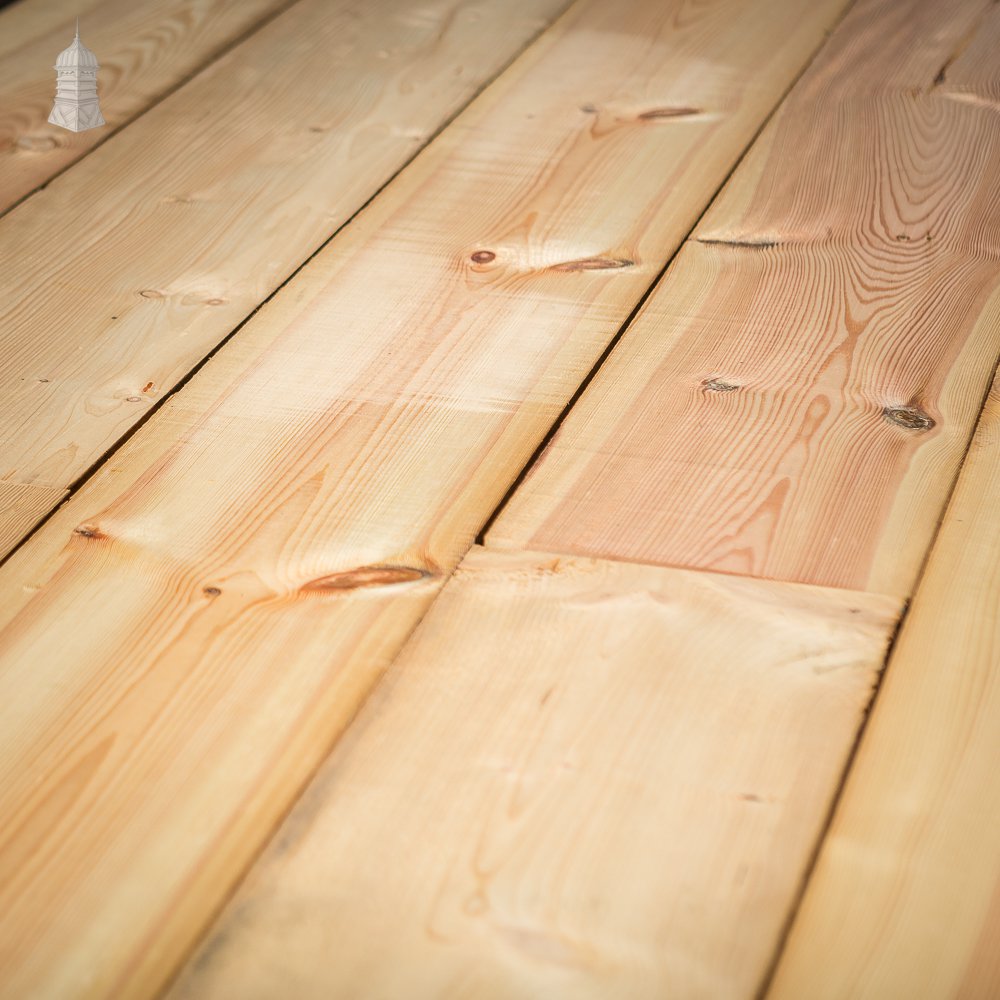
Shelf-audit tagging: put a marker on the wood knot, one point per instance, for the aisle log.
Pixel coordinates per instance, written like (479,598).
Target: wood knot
(89,531)
(483,257)
(910,418)
(367,576)
(133,399)
(211,591)
(658,114)
(740,242)
(718,385)
(594,264)
(151,293)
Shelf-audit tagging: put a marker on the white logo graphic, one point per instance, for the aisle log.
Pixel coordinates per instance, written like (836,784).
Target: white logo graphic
(76,106)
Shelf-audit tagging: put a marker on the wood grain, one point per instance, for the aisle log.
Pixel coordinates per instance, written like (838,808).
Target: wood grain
(905,900)
(579,779)
(183,641)
(145,49)
(125,272)
(795,398)
(21,508)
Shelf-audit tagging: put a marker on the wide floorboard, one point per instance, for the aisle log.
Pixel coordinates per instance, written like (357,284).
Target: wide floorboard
(184,640)
(466,468)
(580,779)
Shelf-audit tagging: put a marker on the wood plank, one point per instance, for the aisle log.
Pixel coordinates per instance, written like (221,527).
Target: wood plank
(21,508)
(183,641)
(145,49)
(795,398)
(579,779)
(167,236)
(904,900)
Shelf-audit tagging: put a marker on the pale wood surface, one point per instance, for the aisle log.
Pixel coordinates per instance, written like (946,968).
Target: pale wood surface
(796,396)
(184,640)
(21,508)
(128,269)
(905,900)
(144,49)
(579,779)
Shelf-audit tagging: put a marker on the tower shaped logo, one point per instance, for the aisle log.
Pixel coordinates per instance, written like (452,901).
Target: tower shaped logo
(76,106)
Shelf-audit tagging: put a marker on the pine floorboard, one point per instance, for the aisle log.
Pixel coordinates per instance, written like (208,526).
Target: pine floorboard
(271,724)
(580,779)
(482,830)
(183,641)
(21,508)
(798,392)
(904,901)
(144,49)
(127,270)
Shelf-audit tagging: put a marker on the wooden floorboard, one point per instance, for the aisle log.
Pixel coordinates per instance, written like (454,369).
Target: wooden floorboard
(21,508)
(126,271)
(795,397)
(144,50)
(580,779)
(185,638)
(904,901)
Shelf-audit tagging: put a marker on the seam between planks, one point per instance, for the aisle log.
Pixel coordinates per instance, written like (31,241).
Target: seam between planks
(772,969)
(265,841)
(630,319)
(225,898)
(120,442)
(210,59)
(796,904)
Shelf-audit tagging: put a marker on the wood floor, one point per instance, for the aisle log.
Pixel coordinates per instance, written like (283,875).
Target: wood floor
(501,499)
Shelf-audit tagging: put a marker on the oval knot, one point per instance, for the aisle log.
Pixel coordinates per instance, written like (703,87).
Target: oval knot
(910,418)
(367,576)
